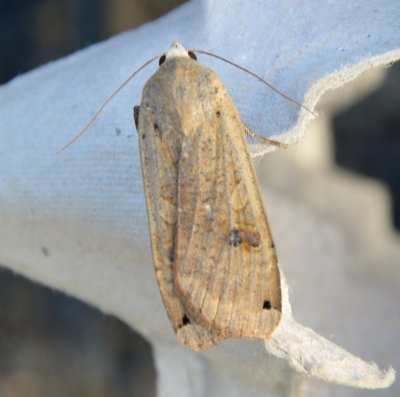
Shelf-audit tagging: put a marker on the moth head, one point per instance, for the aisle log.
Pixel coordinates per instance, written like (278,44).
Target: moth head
(177,50)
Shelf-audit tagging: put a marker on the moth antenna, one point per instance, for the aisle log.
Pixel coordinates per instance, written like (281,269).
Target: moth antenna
(264,140)
(106,102)
(257,77)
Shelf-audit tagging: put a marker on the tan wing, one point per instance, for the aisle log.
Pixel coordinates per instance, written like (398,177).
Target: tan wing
(225,266)
(160,148)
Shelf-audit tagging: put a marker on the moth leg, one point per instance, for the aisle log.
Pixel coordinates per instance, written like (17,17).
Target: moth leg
(136,110)
(262,139)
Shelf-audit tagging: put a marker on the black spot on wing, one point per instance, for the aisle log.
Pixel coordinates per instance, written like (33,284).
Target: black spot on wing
(136,111)
(235,237)
(267,305)
(185,321)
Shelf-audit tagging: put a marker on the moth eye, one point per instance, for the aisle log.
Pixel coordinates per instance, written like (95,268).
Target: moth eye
(192,55)
(267,305)
(162,59)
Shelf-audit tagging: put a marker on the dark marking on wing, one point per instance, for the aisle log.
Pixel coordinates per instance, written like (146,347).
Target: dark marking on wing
(235,237)
(136,111)
(267,305)
(251,238)
(185,321)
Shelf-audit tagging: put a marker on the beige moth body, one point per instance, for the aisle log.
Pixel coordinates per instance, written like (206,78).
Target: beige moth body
(213,252)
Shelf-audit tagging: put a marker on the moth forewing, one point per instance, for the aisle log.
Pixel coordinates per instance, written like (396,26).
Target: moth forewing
(225,267)
(212,247)
(159,151)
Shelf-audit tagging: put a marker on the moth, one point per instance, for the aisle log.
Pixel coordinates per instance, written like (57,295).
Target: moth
(212,246)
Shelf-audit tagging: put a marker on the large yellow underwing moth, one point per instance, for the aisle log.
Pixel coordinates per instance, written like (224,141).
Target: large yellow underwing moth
(212,246)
